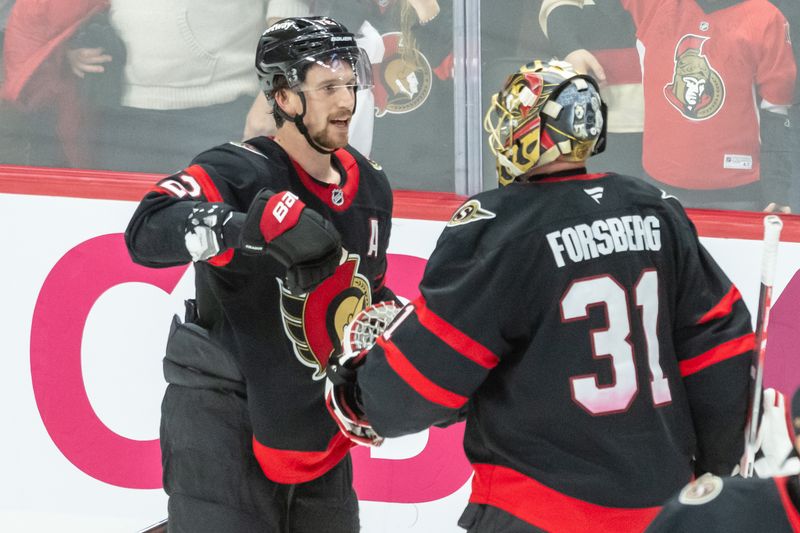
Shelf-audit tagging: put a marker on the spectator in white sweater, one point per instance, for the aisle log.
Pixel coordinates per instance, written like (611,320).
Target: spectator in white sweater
(188,81)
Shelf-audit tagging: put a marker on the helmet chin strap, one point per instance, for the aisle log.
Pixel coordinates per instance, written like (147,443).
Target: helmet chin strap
(301,127)
(297,120)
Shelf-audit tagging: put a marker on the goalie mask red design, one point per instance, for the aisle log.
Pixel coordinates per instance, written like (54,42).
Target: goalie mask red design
(315,322)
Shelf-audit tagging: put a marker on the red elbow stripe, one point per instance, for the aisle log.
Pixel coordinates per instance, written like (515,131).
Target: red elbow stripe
(724,307)
(416,380)
(453,337)
(210,190)
(212,194)
(721,353)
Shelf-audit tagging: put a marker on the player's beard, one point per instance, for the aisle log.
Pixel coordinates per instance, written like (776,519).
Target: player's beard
(331,136)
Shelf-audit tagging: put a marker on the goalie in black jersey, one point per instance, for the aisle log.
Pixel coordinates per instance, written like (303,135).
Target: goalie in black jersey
(597,351)
(247,444)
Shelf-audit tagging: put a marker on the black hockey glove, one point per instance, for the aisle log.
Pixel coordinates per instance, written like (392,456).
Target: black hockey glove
(297,237)
(204,232)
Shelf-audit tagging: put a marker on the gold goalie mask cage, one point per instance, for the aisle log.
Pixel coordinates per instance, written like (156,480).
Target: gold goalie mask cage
(544,111)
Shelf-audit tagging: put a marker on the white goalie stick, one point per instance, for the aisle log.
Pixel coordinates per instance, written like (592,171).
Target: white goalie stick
(769,259)
(359,335)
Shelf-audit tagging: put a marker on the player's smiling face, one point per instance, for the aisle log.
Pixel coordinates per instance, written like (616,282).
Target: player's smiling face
(330,99)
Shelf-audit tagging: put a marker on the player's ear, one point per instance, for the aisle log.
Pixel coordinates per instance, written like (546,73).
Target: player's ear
(288,101)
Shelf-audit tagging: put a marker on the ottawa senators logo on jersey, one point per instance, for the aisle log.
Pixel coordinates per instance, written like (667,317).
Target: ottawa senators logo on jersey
(697,90)
(315,322)
(404,78)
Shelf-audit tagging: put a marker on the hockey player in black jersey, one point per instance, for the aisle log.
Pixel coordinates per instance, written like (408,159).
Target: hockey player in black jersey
(288,236)
(598,353)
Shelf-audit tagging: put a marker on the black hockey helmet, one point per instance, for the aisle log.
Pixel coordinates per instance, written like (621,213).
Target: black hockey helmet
(545,111)
(290,46)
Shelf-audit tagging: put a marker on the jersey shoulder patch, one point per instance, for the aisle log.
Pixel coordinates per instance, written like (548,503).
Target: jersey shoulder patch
(471,211)
(701,490)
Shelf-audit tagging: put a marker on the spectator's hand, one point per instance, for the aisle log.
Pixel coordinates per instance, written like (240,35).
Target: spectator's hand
(777,208)
(426,9)
(775,441)
(586,63)
(259,119)
(83,60)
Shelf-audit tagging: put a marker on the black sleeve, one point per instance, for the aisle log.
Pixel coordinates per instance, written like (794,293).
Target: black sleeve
(714,340)
(445,343)
(777,137)
(571,28)
(563,29)
(229,174)
(155,233)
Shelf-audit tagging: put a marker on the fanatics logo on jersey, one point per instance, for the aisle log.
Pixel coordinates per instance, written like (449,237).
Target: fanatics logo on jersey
(595,193)
(701,490)
(470,212)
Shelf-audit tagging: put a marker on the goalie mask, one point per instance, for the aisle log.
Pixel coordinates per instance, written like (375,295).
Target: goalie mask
(544,111)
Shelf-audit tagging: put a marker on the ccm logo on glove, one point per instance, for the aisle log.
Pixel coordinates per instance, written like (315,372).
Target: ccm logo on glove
(281,214)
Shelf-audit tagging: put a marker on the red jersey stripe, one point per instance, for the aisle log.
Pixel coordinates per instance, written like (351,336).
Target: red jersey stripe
(724,351)
(326,191)
(724,306)
(416,380)
(548,509)
(210,190)
(576,177)
(791,510)
(291,466)
(212,194)
(453,337)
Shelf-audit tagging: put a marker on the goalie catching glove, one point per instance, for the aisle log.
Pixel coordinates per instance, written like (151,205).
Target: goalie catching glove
(299,238)
(341,387)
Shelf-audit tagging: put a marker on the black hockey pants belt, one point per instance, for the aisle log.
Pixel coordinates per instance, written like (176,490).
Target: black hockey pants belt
(194,360)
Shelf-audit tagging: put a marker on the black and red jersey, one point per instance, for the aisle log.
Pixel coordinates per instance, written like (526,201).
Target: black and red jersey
(733,504)
(280,342)
(599,353)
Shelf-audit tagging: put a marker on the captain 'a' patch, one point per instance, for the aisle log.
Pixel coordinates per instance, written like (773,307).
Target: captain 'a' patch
(470,212)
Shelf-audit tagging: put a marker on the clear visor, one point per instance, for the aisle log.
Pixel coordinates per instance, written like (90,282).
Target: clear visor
(330,71)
